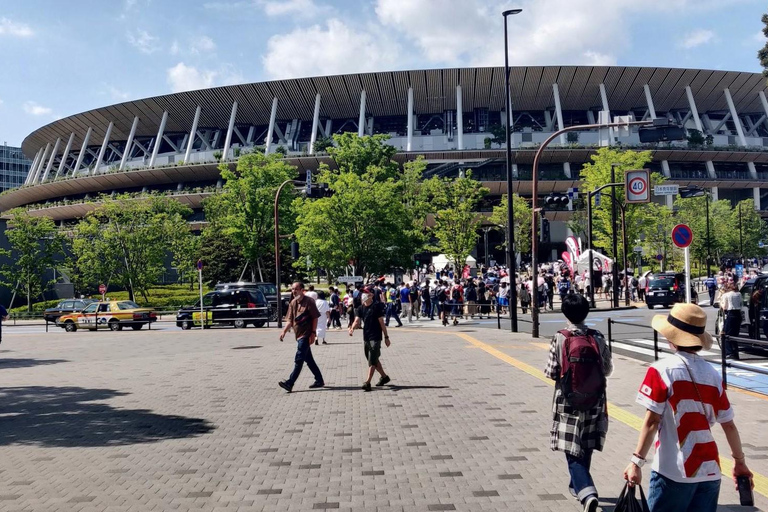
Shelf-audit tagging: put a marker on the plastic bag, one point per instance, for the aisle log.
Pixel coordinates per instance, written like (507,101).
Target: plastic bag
(628,502)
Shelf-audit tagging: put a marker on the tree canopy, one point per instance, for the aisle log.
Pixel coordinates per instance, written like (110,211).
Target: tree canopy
(521,216)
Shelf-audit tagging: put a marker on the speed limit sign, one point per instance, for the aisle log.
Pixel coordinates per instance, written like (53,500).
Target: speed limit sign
(636,184)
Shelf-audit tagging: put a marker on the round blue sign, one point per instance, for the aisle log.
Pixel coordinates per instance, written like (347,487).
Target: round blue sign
(682,236)
(659,257)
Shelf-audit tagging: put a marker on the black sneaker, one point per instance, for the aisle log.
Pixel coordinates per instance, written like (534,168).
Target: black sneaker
(325,342)
(383,381)
(285,386)
(316,384)
(366,386)
(590,504)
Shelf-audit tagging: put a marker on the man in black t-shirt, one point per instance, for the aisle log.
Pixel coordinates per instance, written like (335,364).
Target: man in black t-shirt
(371,314)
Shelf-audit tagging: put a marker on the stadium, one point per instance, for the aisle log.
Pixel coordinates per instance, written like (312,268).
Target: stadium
(173,144)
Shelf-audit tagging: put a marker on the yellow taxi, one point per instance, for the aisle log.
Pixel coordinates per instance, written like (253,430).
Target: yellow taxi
(112,315)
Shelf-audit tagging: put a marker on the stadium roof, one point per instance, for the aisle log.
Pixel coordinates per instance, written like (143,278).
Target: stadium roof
(434,91)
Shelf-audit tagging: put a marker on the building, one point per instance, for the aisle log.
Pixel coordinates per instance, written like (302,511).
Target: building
(14,167)
(173,143)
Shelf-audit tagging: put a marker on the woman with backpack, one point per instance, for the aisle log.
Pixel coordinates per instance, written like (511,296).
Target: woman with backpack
(579,361)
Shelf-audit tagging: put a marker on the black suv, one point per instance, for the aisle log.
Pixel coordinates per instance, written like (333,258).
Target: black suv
(666,289)
(268,289)
(230,307)
(66,307)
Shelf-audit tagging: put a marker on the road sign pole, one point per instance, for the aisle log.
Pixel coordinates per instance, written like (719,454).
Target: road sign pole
(200,283)
(687,253)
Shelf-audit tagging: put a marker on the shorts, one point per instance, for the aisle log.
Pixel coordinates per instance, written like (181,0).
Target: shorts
(372,351)
(503,301)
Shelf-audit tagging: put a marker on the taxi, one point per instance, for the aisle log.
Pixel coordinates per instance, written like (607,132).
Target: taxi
(113,315)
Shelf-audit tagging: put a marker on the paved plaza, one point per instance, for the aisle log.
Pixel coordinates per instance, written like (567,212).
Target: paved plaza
(193,420)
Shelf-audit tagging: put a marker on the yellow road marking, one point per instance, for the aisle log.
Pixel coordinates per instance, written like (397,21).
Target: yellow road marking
(617,413)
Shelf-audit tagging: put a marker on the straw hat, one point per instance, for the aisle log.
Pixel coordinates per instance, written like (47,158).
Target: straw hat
(685,326)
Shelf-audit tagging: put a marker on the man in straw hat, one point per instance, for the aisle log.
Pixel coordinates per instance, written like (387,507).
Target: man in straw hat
(684,398)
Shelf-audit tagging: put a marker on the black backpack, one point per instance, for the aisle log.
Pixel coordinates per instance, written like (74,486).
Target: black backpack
(456,295)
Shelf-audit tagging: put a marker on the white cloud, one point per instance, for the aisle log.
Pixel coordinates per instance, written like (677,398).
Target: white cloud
(696,38)
(35,109)
(293,7)
(203,44)
(143,41)
(330,49)
(115,93)
(14,28)
(599,59)
(187,78)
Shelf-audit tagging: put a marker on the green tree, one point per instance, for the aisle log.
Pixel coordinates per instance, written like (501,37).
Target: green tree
(639,218)
(762,54)
(454,207)
(695,138)
(521,216)
(748,230)
(125,241)
(658,239)
(244,209)
(223,260)
(692,211)
(35,243)
(371,221)
(322,144)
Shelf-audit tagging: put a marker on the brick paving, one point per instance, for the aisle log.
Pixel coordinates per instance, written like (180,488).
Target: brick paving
(172,420)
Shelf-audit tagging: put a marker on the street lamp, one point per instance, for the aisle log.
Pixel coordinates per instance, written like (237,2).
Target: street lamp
(511,263)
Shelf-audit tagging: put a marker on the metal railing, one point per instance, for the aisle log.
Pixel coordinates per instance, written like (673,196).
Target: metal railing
(656,348)
(725,363)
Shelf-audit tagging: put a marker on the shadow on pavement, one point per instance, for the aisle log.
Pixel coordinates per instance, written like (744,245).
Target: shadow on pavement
(67,417)
(27,363)
(246,347)
(389,387)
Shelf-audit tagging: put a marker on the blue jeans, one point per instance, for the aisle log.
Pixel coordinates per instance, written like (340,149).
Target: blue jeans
(665,495)
(304,355)
(392,312)
(581,480)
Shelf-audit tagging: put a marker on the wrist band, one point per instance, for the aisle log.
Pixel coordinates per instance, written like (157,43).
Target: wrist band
(638,456)
(739,458)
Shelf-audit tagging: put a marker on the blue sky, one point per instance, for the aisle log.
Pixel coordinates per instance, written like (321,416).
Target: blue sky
(60,58)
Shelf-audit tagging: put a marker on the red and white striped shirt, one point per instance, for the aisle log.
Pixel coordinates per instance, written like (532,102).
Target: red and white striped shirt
(686,451)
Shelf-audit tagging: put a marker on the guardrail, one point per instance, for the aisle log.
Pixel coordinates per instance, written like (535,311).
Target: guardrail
(656,349)
(725,363)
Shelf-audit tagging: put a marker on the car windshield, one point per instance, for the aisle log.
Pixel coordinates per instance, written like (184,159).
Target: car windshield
(207,300)
(662,282)
(91,308)
(127,304)
(268,289)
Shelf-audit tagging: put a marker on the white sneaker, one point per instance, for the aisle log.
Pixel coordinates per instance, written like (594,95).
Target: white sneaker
(590,504)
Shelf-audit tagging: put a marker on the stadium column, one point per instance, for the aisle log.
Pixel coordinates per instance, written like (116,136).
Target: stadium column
(64,155)
(230,128)
(315,123)
(271,129)
(667,174)
(129,142)
(33,167)
(83,150)
(606,108)
(50,160)
(735,117)
(558,112)
(192,134)
(43,159)
(459,119)
(409,144)
(361,119)
(756,197)
(649,101)
(694,110)
(158,139)
(103,149)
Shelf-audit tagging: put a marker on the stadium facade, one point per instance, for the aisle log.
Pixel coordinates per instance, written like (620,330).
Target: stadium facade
(173,144)
(14,167)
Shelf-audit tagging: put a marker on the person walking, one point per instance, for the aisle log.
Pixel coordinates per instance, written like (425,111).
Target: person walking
(391,297)
(730,303)
(302,317)
(470,294)
(711,284)
(502,298)
(642,283)
(685,475)
(325,316)
(525,297)
(579,362)
(405,302)
(372,317)
(426,299)
(335,305)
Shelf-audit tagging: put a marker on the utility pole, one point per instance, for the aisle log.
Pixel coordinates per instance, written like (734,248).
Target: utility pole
(615,237)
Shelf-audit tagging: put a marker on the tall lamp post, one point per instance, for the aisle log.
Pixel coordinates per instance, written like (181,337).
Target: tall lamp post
(511,263)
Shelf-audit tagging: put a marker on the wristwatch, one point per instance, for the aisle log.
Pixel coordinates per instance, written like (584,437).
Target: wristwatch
(637,461)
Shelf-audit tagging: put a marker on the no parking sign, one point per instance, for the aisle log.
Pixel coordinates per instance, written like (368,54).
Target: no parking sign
(636,184)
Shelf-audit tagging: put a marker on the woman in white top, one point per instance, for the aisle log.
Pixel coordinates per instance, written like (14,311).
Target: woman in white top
(325,315)
(730,303)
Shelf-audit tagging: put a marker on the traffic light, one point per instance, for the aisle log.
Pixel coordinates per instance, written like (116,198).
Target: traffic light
(318,191)
(685,193)
(544,231)
(295,250)
(556,200)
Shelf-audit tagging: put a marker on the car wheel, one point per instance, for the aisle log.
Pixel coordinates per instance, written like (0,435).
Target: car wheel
(651,306)
(185,325)
(259,323)
(137,327)
(239,324)
(70,326)
(114,325)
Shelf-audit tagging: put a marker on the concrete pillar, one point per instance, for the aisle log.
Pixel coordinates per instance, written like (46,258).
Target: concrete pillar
(649,101)
(50,160)
(361,119)
(83,149)
(65,154)
(192,134)
(129,142)
(665,169)
(713,192)
(158,139)
(33,167)
(459,119)
(558,112)
(711,169)
(103,149)
(409,144)
(230,128)
(271,129)
(315,123)
(735,117)
(567,170)
(43,161)
(756,197)
(694,110)
(752,170)
(607,110)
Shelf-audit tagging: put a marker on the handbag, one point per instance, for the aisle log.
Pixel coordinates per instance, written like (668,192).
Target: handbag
(628,501)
